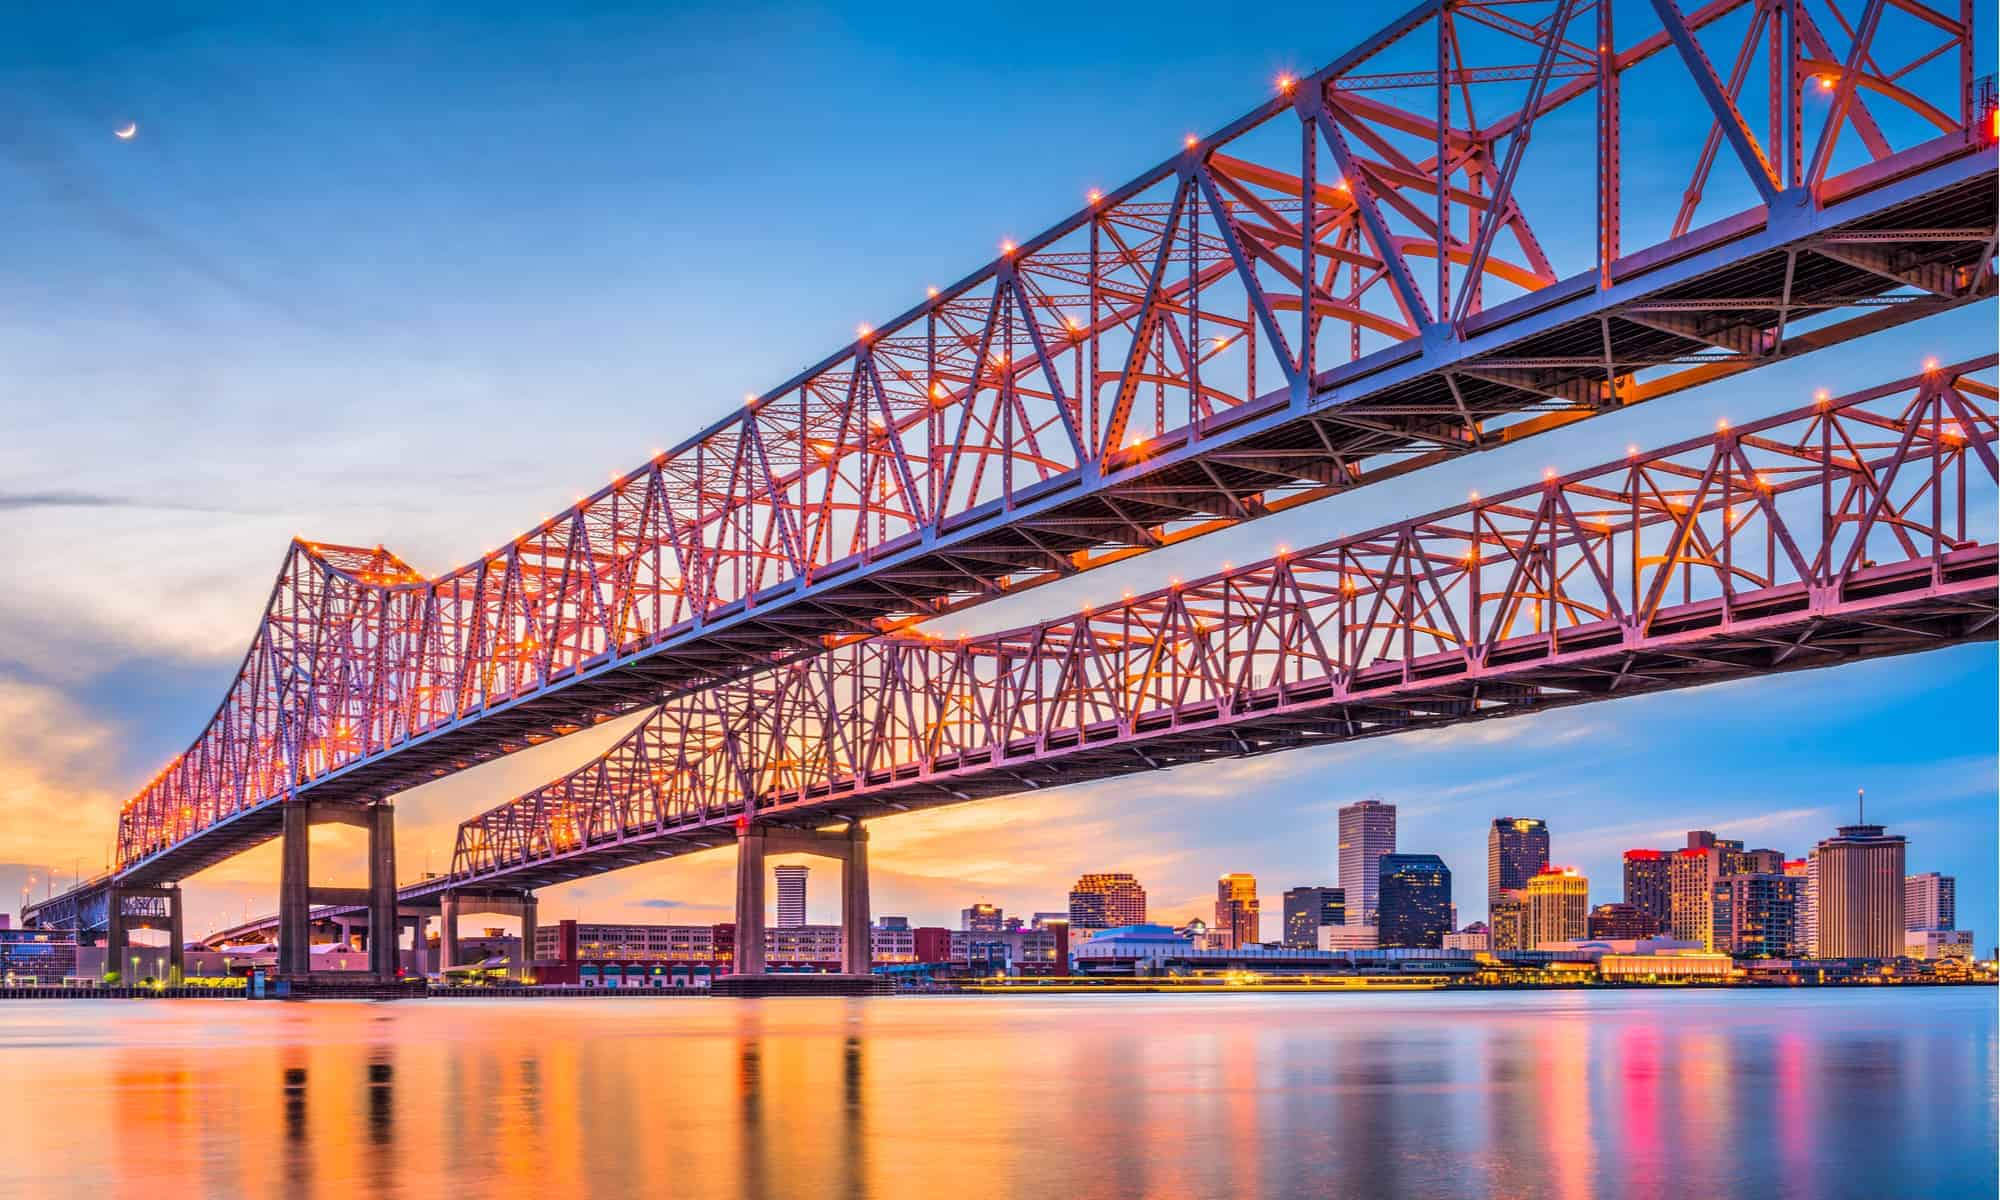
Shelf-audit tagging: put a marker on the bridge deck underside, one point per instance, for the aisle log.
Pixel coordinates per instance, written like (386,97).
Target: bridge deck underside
(1408,418)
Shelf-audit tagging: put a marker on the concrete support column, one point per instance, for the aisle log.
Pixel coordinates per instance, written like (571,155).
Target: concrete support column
(857,952)
(447,932)
(115,939)
(528,918)
(382,937)
(294,894)
(749,900)
(176,938)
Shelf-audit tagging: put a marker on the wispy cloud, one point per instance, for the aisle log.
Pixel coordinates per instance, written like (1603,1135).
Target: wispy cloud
(16,501)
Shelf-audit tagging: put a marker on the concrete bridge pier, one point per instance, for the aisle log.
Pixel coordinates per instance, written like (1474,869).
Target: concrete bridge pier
(297,895)
(453,905)
(129,908)
(849,846)
(416,921)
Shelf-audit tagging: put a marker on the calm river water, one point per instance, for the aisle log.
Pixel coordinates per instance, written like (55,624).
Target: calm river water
(1887,1093)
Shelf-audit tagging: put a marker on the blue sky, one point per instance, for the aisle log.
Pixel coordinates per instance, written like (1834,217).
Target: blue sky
(419,274)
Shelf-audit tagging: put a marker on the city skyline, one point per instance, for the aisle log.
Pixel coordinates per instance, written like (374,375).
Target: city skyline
(108,669)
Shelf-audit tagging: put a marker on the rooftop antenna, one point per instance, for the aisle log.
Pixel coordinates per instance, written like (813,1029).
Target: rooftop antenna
(1861,806)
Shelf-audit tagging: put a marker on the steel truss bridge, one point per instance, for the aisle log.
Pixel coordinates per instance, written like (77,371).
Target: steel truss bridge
(1348,282)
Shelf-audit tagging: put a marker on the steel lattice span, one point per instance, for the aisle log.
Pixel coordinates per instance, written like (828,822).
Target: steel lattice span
(1346,282)
(1849,529)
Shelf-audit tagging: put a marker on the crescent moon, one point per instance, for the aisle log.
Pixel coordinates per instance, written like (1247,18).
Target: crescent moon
(126,134)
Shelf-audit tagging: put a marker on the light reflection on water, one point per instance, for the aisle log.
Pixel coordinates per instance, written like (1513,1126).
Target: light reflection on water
(1567,1095)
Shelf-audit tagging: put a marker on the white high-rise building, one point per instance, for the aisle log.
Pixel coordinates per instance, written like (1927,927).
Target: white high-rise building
(791,896)
(1367,832)
(1930,901)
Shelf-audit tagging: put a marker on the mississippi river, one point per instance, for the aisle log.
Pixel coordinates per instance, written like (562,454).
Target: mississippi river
(1853,1092)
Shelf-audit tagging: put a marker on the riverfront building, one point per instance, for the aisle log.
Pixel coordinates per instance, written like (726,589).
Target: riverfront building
(1558,903)
(1757,915)
(1691,876)
(1861,893)
(1517,850)
(1930,901)
(1621,921)
(1236,917)
(1107,900)
(791,895)
(1367,832)
(1414,898)
(1647,888)
(1308,908)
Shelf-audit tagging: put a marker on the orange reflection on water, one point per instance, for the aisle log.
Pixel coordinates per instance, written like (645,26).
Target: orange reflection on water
(1455,1096)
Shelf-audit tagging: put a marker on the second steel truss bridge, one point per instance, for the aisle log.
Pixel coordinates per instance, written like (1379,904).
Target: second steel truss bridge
(1849,529)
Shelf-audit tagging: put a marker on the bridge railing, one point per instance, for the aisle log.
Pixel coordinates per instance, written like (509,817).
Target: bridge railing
(1405,189)
(1808,512)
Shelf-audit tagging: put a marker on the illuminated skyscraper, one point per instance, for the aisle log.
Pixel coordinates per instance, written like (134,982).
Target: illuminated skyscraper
(1236,922)
(1647,887)
(1930,901)
(1415,899)
(1517,850)
(1757,914)
(1308,908)
(1106,900)
(1860,906)
(1367,832)
(1558,903)
(791,896)
(1508,926)
(1691,876)
(1809,905)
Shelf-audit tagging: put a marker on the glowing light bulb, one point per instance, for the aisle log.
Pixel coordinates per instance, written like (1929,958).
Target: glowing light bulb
(1006,247)
(1286,83)
(931,292)
(1930,364)
(1093,195)
(862,331)
(1192,141)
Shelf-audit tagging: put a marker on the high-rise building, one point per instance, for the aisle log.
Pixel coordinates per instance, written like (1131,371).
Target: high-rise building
(1558,902)
(1691,876)
(1235,912)
(1646,885)
(1930,901)
(1861,893)
(1507,925)
(1106,900)
(1517,850)
(1367,832)
(1620,922)
(983,918)
(791,896)
(1809,909)
(1757,915)
(1413,901)
(1308,908)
